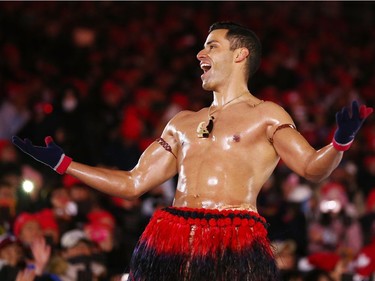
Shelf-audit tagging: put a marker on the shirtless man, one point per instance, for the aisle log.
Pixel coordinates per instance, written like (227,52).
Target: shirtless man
(223,155)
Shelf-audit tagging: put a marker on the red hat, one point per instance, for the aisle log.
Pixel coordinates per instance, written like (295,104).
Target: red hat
(47,219)
(365,261)
(101,217)
(97,232)
(333,190)
(324,260)
(131,126)
(21,220)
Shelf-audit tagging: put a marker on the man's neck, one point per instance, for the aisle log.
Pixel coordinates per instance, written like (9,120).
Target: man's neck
(220,99)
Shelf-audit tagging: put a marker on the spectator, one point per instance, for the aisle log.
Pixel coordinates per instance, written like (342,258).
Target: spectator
(10,257)
(337,228)
(27,228)
(327,266)
(64,208)
(14,111)
(77,252)
(286,258)
(15,265)
(365,262)
(49,226)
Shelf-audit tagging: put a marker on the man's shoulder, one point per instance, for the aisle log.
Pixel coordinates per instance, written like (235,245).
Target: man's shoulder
(273,109)
(184,114)
(274,114)
(271,105)
(183,119)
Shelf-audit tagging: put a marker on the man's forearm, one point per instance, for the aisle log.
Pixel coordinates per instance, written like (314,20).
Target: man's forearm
(112,182)
(322,163)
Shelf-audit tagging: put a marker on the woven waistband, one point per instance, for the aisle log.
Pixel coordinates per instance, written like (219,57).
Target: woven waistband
(219,217)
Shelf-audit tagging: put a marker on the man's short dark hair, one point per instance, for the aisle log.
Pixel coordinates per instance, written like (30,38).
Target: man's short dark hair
(240,36)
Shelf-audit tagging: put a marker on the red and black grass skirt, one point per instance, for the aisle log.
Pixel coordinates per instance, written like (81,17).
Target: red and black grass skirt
(184,244)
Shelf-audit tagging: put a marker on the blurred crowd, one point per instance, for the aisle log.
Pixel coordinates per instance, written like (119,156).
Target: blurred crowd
(104,78)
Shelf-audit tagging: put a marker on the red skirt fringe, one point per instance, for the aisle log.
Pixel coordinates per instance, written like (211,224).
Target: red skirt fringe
(204,244)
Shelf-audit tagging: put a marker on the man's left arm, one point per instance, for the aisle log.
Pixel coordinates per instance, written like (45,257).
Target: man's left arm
(316,165)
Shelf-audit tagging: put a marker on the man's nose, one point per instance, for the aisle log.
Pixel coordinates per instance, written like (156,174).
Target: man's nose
(201,54)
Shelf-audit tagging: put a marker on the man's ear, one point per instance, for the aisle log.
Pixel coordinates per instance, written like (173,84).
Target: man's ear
(241,54)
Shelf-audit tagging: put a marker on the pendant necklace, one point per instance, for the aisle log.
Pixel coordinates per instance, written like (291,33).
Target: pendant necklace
(204,131)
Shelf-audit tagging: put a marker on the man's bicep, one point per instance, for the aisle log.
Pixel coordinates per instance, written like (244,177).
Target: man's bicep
(157,164)
(289,144)
(293,149)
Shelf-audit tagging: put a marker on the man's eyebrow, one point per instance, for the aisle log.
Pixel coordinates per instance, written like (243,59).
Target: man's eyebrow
(210,42)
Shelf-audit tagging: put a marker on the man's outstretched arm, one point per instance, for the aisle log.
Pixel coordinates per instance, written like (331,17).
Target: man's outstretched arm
(316,165)
(155,166)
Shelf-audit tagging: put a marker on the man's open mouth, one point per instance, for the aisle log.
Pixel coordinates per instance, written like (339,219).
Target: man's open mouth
(205,67)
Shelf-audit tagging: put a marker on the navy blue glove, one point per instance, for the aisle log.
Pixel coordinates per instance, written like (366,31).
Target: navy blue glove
(348,126)
(51,155)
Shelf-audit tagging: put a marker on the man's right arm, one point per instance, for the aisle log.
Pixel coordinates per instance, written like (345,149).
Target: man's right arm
(155,166)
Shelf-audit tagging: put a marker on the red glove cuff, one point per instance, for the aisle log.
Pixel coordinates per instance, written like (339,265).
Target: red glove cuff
(342,147)
(63,164)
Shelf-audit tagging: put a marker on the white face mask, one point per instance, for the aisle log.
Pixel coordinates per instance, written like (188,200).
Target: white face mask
(71,208)
(69,103)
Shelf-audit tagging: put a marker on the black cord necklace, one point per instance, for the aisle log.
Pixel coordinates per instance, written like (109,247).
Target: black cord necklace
(204,131)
